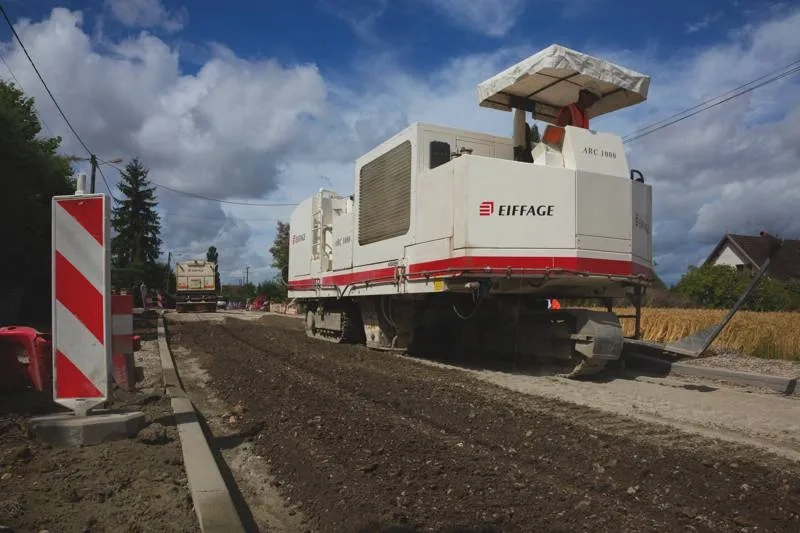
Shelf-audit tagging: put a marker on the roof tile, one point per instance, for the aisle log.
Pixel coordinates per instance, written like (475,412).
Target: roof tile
(786,263)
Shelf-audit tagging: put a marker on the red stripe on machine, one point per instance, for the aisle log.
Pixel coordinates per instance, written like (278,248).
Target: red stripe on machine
(79,296)
(582,264)
(455,265)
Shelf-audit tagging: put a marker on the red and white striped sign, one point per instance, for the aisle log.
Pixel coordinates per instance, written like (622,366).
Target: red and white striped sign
(82,338)
(122,362)
(122,323)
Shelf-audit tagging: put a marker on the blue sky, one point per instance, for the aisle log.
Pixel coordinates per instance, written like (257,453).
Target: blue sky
(421,34)
(216,99)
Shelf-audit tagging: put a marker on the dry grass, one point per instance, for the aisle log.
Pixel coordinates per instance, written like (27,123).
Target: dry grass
(767,335)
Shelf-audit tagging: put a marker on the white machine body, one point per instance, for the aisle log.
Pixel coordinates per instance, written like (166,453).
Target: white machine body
(435,205)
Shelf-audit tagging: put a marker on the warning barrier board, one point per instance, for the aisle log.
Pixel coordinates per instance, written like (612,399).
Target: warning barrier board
(82,338)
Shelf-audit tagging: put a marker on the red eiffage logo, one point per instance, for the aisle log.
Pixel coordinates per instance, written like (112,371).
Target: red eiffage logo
(486,209)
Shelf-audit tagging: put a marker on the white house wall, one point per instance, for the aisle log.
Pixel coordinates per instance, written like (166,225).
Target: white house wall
(728,257)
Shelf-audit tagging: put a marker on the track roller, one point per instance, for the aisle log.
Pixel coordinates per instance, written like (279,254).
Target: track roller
(338,322)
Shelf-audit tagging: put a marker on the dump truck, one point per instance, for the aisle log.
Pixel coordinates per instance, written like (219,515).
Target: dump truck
(196,288)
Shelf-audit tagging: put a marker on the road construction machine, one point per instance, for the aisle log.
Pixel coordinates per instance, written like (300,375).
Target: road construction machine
(196,287)
(459,238)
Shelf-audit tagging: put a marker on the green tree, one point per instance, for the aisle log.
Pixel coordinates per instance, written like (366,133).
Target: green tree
(239,292)
(770,295)
(32,173)
(535,137)
(720,286)
(136,221)
(280,247)
(274,289)
(213,256)
(713,286)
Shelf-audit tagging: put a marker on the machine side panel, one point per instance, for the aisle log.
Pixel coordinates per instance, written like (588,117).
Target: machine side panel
(434,205)
(586,150)
(383,210)
(504,150)
(502,146)
(642,195)
(475,146)
(343,242)
(603,213)
(300,240)
(509,204)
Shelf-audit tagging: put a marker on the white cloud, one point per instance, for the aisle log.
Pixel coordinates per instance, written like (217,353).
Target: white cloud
(360,16)
(490,17)
(229,130)
(253,130)
(147,14)
(703,23)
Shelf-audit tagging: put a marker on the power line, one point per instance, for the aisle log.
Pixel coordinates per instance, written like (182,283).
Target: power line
(221,201)
(33,64)
(653,130)
(638,134)
(35,112)
(80,140)
(106,183)
(227,216)
(794,67)
(52,97)
(795,62)
(208,198)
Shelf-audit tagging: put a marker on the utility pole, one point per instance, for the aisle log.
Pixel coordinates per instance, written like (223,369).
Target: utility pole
(246,275)
(93,161)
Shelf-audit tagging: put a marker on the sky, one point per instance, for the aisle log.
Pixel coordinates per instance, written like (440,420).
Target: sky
(256,104)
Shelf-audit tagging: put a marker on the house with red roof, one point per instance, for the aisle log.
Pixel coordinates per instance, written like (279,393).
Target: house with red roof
(748,252)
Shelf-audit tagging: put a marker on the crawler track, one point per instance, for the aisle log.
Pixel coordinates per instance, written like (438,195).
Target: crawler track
(358,436)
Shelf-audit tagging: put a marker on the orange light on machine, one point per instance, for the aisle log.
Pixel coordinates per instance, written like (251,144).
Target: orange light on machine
(553,136)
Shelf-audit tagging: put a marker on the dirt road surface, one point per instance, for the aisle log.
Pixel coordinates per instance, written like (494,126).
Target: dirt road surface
(135,485)
(350,437)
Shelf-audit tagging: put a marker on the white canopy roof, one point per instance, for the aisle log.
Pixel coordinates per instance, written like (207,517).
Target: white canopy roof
(551,79)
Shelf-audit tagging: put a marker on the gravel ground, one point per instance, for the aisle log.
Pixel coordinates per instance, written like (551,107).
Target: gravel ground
(357,437)
(744,363)
(134,485)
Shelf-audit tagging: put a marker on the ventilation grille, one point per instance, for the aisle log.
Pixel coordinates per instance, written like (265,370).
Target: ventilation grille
(384,209)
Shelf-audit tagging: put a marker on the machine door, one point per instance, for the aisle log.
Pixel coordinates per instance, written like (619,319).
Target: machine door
(481,148)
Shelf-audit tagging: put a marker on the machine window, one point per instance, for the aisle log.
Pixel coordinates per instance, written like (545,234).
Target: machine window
(439,153)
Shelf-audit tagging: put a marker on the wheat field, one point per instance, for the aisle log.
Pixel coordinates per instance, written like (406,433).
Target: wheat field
(767,335)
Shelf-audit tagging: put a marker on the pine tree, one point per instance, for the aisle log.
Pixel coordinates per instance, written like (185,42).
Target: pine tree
(136,220)
(280,259)
(280,247)
(213,256)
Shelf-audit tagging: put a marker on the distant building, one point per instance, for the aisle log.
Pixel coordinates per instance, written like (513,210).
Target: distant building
(748,252)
